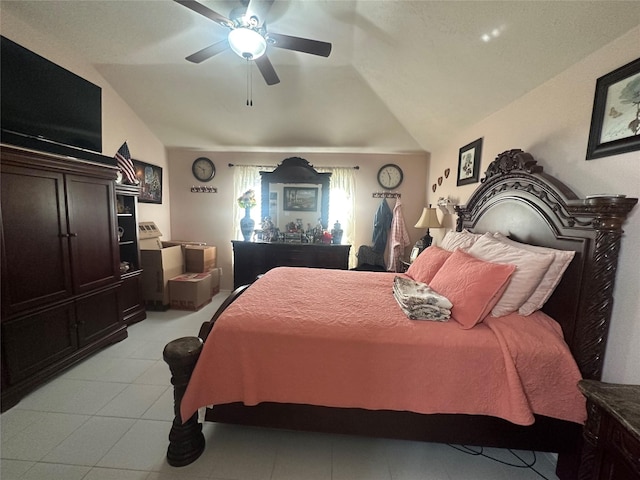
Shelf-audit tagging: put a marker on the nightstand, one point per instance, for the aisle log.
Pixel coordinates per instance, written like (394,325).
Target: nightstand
(612,432)
(404,265)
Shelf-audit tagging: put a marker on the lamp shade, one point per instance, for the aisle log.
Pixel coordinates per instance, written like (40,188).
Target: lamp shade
(428,219)
(247,43)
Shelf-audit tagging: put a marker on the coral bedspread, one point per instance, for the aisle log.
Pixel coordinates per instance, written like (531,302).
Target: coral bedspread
(338,338)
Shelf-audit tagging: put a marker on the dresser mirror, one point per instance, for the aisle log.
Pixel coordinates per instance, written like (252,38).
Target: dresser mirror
(295,192)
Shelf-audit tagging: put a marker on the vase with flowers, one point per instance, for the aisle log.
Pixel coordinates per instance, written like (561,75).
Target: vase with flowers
(247,201)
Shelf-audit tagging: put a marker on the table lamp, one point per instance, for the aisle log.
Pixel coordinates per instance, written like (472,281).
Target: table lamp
(428,219)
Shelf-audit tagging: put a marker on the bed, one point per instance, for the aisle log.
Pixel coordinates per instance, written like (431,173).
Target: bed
(516,200)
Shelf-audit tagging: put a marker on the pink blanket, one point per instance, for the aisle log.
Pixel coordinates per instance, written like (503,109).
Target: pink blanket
(338,338)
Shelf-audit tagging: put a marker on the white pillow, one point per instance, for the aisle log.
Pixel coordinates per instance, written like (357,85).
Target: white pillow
(531,267)
(551,279)
(463,239)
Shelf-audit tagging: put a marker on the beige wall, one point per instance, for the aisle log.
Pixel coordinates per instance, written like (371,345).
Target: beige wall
(207,217)
(552,123)
(119,122)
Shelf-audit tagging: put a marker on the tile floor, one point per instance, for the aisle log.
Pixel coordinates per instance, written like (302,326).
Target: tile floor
(108,419)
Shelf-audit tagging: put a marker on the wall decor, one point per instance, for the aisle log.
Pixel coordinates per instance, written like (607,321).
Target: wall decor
(434,187)
(150,177)
(615,120)
(300,199)
(446,172)
(469,160)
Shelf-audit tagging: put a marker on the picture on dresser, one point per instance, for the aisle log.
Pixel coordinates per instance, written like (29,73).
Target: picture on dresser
(300,199)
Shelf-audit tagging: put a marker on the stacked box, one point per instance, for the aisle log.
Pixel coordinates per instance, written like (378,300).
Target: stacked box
(160,263)
(200,258)
(190,291)
(216,274)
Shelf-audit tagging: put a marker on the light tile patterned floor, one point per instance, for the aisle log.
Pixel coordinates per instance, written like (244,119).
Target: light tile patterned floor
(108,419)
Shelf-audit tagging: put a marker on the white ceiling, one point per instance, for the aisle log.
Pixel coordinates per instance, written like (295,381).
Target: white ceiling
(403,76)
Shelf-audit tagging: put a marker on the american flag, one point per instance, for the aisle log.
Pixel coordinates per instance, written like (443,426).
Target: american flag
(123,159)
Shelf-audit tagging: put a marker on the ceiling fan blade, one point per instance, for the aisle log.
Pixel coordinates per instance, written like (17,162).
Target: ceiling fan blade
(266,69)
(259,9)
(207,12)
(209,51)
(306,45)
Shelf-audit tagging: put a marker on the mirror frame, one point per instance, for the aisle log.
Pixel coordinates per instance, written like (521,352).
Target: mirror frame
(297,170)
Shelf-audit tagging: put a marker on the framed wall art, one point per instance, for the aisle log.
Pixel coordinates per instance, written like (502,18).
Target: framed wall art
(469,160)
(150,177)
(615,120)
(300,199)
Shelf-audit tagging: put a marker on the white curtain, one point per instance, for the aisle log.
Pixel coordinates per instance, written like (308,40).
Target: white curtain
(342,205)
(246,178)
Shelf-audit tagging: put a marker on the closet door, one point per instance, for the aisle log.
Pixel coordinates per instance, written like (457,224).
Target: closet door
(92,233)
(35,247)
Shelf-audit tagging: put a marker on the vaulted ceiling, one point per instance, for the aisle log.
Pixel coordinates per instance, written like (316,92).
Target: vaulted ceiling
(403,76)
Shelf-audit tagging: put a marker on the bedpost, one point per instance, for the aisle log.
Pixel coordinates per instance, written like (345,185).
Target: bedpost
(186,441)
(606,216)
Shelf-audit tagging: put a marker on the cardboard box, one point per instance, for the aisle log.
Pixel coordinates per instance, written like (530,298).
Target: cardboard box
(199,258)
(159,264)
(216,275)
(190,291)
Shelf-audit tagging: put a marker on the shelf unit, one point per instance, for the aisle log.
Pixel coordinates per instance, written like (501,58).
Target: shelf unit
(128,241)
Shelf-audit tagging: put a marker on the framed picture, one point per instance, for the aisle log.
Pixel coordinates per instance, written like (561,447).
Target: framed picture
(300,199)
(615,121)
(150,177)
(469,160)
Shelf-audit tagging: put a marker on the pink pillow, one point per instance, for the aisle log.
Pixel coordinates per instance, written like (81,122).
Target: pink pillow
(472,285)
(463,239)
(425,266)
(531,267)
(550,280)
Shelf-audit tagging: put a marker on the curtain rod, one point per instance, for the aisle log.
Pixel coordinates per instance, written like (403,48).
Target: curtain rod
(357,167)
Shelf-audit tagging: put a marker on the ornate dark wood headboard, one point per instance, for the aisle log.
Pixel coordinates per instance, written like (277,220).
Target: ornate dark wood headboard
(516,198)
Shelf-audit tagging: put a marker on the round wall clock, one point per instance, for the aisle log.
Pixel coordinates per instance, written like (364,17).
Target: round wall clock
(390,176)
(203,169)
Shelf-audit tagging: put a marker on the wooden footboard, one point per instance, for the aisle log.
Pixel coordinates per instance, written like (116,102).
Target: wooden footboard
(186,442)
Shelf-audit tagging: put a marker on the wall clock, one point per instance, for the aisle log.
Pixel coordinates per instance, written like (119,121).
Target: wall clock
(203,169)
(390,176)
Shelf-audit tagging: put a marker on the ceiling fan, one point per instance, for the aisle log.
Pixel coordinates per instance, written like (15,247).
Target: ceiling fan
(248,36)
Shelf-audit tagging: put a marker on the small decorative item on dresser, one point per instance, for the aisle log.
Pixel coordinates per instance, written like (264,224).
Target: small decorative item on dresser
(247,201)
(336,233)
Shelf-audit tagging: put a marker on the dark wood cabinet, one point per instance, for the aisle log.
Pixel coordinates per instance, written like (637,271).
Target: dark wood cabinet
(251,259)
(133,309)
(60,266)
(612,432)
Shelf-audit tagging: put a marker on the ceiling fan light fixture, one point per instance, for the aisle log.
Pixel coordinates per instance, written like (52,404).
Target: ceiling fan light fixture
(247,43)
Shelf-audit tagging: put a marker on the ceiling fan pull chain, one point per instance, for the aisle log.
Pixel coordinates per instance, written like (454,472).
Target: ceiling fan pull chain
(249,84)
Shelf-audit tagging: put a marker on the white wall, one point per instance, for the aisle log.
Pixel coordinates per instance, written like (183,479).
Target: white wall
(119,122)
(552,123)
(207,217)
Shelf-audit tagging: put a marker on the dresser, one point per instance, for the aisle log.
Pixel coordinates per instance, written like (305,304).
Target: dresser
(251,259)
(612,432)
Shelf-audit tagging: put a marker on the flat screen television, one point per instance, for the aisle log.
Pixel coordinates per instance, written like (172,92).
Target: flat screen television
(45,103)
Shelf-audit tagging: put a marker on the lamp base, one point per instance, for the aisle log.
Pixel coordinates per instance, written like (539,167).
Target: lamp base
(424,242)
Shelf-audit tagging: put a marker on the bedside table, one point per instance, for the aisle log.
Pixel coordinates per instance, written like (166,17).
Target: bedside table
(404,264)
(612,433)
